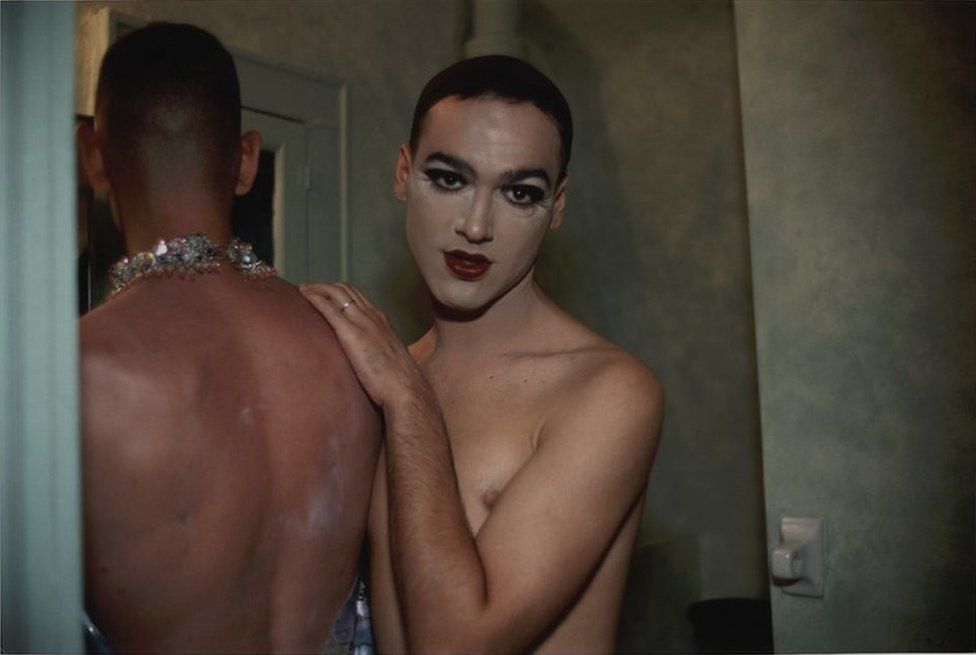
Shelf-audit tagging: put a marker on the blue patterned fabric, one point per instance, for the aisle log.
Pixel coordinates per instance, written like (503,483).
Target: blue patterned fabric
(94,640)
(352,633)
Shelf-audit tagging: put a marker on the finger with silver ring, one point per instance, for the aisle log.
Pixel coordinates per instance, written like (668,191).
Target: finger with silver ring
(355,295)
(346,305)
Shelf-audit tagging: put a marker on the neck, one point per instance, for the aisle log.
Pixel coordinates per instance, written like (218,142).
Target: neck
(498,329)
(150,217)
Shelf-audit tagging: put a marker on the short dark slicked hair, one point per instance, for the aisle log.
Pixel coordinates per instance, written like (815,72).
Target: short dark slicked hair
(501,76)
(168,78)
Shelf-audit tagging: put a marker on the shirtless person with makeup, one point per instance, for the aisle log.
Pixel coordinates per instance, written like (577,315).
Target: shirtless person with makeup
(228,449)
(518,443)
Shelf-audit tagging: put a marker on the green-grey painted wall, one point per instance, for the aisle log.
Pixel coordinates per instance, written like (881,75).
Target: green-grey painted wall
(858,123)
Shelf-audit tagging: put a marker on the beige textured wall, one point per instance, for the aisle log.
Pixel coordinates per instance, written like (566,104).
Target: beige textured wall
(859,135)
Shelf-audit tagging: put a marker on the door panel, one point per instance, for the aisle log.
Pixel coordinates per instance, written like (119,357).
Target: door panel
(286,140)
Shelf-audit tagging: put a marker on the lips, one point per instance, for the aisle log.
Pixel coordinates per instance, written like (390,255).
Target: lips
(466,265)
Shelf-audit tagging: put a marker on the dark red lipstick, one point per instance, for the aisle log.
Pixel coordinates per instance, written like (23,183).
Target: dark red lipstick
(466,265)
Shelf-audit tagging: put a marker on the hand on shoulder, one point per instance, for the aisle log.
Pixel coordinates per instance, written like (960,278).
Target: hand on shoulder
(382,363)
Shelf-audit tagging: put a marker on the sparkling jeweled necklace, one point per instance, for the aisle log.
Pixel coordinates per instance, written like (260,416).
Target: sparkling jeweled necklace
(189,255)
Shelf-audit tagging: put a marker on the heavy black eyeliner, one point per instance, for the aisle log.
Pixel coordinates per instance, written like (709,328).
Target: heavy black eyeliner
(535,194)
(438,175)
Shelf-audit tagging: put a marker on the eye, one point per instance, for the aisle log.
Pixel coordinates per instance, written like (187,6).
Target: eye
(445,179)
(523,194)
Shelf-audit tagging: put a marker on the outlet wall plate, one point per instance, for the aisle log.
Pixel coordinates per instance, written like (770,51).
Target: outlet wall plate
(797,563)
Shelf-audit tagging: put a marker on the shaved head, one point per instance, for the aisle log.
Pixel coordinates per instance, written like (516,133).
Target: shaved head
(168,97)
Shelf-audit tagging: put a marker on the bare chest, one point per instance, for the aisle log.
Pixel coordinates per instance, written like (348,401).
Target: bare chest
(493,422)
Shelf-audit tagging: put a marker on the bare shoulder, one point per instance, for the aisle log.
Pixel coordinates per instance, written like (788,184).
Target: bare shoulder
(122,396)
(610,379)
(113,343)
(288,302)
(598,371)
(610,393)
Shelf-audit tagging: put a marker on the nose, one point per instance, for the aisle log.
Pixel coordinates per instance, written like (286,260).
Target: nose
(478,225)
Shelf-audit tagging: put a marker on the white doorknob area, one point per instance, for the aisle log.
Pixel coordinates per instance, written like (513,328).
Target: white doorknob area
(797,563)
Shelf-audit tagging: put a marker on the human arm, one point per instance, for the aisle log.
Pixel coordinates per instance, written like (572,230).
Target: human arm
(551,526)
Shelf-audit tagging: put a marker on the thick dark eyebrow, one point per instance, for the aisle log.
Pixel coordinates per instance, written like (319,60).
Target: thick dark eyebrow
(511,177)
(507,178)
(457,164)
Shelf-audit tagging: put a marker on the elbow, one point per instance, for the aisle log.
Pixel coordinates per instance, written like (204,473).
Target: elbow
(463,629)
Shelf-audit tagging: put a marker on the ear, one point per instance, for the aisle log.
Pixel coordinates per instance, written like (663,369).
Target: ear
(402,173)
(560,203)
(250,157)
(90,152)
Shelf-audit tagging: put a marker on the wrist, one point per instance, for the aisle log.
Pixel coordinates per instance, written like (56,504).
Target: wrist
(411,401)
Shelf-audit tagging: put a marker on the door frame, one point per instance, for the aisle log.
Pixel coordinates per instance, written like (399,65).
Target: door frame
(41,487)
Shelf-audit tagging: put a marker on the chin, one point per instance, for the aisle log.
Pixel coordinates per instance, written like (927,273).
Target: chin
(459,302)
(459,312)
(461,297)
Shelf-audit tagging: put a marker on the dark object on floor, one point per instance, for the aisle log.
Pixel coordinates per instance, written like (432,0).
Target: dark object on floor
(732,625)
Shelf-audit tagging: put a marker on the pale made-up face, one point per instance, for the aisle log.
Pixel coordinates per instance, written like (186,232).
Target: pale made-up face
(481,192)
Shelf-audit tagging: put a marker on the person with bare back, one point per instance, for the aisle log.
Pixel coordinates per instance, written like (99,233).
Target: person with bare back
(518,443)
(228,448)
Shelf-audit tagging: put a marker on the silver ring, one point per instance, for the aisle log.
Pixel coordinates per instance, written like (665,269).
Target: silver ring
(344,306)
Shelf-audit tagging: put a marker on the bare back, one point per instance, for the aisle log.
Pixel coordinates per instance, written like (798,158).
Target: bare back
(228,457)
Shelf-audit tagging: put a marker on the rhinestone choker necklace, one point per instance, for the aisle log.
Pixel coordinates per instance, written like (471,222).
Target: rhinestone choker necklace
(184,256)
